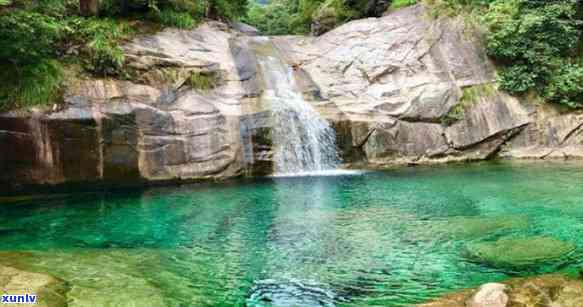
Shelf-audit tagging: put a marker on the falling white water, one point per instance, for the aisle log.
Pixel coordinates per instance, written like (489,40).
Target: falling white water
(304,143)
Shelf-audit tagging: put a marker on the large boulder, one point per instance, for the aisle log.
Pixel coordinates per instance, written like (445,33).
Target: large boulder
(489,295)
(396,79)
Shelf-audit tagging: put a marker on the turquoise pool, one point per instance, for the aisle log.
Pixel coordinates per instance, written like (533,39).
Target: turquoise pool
(387,238)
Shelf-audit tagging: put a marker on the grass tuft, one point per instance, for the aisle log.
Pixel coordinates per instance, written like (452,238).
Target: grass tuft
(203,80)
(470,96)
(397,4)
(30,85)
(171,18)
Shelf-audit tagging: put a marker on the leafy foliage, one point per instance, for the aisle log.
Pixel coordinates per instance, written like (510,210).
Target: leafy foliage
(29,85)
(566,87)
(40,39)
(296,16)
(282,17)
(171,18)
(28,75)
(98,39)
(402,3)
(536,43)
(203,80)
(27,37)
(470,96)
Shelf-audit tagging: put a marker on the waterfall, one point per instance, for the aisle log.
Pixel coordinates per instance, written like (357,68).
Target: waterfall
(303,142)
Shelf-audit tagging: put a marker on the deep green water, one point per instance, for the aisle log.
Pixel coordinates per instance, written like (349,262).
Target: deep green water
(383,238)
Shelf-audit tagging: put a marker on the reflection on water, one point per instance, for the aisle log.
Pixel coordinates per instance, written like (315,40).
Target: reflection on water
(382,238)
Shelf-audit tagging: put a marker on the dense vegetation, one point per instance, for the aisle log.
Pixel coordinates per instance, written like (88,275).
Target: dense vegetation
(536,44)
(300,16)
(43,41)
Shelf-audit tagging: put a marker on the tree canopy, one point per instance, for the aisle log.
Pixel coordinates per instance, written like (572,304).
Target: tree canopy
(535,44)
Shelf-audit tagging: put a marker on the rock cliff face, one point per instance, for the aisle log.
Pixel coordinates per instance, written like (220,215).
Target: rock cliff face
(389,86)
(156,128)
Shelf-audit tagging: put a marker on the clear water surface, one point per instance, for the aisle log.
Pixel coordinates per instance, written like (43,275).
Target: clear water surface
(387,238)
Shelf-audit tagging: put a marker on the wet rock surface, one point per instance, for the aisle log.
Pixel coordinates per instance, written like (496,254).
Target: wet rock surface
(157,128)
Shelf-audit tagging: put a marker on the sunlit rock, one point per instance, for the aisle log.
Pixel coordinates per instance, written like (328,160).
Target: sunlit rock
(489,295)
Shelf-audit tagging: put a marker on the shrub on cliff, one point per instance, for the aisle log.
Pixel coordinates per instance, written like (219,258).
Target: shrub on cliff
(42,39)
(28,41)
(536,42)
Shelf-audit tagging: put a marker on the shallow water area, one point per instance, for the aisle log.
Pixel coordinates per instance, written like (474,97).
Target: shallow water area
(388,238)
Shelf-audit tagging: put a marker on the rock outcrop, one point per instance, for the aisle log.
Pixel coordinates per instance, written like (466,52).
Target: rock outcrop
(156,128)
(552,134)
(546,290)
(389,86)
(489,295)
(396,79)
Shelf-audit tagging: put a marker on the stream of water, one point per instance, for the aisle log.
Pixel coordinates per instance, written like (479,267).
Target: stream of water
(304,142)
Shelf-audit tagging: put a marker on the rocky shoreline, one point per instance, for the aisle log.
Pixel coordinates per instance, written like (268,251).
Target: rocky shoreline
(545,290)
(403,89)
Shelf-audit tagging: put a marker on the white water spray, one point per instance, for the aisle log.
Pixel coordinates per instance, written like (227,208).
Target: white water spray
(304,143)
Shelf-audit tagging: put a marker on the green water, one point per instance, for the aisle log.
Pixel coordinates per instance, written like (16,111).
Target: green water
(383,238)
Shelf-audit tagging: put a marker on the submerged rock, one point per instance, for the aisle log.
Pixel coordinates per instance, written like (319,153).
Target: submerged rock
(93,277)
(519,252)
(49,290)
(471,227)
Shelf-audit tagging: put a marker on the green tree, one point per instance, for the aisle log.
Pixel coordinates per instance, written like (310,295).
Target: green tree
(535,42)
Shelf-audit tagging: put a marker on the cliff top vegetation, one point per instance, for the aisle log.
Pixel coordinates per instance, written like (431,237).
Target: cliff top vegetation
(535,44)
